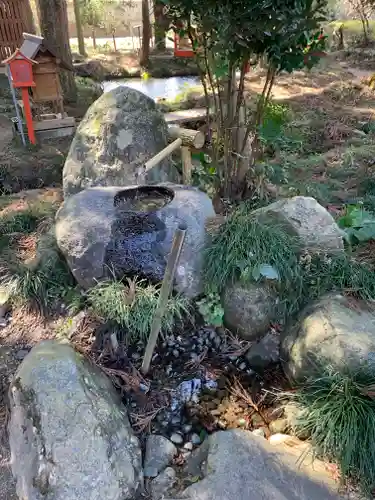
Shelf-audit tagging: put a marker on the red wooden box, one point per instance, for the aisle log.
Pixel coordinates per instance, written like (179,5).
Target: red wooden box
(21,69)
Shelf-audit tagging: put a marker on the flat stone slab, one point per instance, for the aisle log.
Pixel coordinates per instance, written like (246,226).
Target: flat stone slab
(241,466)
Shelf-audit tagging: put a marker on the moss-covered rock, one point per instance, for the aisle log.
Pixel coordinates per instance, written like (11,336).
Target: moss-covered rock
(119,133)
(70,436)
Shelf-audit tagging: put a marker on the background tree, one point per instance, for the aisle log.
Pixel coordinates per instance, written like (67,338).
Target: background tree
(30,19)
(162,23)
(146,34)
(112,18)
(92,15)
(227,36)
(80,37)
(53,20)
(362,9)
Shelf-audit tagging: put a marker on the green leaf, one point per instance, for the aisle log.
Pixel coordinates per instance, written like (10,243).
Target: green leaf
(365,233)
(269,272)
(345,221)
(255,274)
(265,271)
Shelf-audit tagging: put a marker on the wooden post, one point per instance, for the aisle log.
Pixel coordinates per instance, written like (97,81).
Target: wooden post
(187,165)
(165,290)
(18,114)
(28,115)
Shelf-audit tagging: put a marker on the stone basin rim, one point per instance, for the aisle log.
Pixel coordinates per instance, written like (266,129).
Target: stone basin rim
(129,194)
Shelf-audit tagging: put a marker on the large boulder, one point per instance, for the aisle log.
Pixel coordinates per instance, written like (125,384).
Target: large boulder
(119,133)
(130,231)
(249,308)
(310,223)
(242,466)
(70,436)
(332,332)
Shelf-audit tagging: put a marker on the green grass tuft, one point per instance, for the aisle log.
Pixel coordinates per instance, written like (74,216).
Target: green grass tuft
(132,306)
(25,220)
(338,413)
(242,245)
(40,282)
(323,274)
(42,276)
(19,222)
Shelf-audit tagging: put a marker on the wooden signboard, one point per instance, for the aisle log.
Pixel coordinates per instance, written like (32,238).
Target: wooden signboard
(21,70)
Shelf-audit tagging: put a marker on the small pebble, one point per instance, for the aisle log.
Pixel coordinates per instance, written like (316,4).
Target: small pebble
(3,322)
(259,432)
(195,439)
(175,420)
(188,446)
(176,438)
(242,366)
(241,422)
(233,357)
(175,353)
(21,354)
(144,388)
(150,471)
(187,428)
(217,341)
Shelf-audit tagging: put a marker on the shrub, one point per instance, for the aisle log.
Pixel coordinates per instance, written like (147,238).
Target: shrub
(337,411)
(132,306)
(227,36)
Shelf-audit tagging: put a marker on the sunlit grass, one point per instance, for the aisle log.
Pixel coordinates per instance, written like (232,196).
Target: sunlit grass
(337,412)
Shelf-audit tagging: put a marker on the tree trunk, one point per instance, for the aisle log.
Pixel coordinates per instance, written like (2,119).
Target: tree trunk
(364,27)
(161,24)
(146,34)
(93,34)
(81,40)
(53,20)
(30,26)
(114,40)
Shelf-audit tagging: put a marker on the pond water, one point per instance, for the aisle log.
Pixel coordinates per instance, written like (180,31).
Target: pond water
(168,88)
